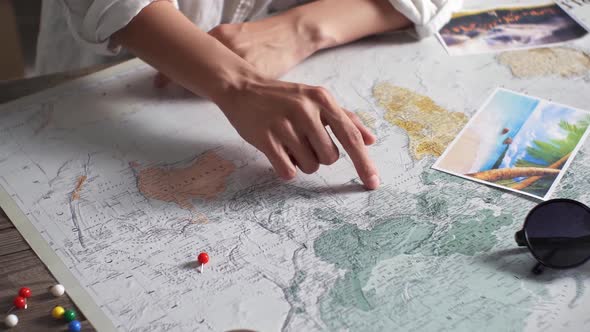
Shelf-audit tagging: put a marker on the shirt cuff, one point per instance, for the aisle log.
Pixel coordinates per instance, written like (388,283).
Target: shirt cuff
(428,16)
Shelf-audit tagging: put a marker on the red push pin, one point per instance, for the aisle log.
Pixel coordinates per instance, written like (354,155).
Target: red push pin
(25,292)
(203,259)
(20,302)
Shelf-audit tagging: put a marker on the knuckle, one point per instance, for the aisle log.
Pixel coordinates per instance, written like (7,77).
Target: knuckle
(328,155)
(352,116)
(280,126)
(304,103)
(321,94)
(353,137)
(335,115)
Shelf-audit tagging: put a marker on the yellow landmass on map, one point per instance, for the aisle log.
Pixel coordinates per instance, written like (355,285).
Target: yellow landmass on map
(205,178)
(562,61)
(429,127)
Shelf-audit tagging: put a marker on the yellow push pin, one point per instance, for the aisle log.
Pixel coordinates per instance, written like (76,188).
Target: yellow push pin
(58,312)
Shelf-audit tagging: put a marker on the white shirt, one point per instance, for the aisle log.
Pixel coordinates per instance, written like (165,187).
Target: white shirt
(75,33)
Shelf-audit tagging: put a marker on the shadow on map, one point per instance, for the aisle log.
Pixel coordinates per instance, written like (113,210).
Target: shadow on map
(143,87)
(341,189)
(519,263)
(192,265)
(388,39)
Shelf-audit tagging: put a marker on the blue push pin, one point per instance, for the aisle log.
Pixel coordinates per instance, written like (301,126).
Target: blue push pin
(74,326)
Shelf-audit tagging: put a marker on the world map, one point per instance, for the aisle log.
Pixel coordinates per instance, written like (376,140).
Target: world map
(127,184)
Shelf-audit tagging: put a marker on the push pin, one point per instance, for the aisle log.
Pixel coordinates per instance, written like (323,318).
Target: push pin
(74,326)
(58,312)
(25,292)
(69,315)
(11,320)
(20,302)
(57,290)
(203,259)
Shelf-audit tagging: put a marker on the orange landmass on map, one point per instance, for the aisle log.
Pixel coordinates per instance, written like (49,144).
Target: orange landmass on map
(78,188)
(205,178)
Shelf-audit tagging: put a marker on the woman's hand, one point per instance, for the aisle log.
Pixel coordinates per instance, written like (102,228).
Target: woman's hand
(286,121)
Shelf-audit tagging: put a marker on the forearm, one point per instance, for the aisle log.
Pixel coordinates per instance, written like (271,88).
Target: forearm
(286,121)
(328,23)
(163,37)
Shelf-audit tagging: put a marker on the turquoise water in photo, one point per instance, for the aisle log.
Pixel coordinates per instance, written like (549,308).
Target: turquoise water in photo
(509,111)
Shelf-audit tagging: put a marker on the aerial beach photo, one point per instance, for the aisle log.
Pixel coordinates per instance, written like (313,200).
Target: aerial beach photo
(517,142)
(508,28)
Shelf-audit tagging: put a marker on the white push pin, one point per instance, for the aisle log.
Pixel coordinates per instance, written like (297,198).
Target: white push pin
(11,320)
(57,290)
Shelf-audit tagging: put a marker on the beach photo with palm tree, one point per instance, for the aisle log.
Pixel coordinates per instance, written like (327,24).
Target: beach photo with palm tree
(517,142)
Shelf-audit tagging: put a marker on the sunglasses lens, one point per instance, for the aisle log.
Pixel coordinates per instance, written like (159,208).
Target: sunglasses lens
(558,233)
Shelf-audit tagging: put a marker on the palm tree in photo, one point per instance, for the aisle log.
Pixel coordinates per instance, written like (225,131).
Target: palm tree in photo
(545,160)
(552,153)
(553,150)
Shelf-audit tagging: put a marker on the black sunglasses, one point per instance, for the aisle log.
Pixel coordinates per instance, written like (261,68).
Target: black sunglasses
(557,232)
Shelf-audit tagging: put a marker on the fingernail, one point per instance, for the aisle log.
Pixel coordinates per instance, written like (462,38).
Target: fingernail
(290,174)
(372,182)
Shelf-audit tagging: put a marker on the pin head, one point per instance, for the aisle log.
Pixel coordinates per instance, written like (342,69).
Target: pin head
(69,315)
(11,320)
(20,302)
(203,258)
(25,292)
(58,312)
(57,290)
(74,326)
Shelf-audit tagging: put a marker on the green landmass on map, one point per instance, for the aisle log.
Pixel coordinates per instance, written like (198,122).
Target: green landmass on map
(419,271)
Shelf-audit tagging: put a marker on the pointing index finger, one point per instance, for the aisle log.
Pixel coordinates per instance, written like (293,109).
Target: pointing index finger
(352,141)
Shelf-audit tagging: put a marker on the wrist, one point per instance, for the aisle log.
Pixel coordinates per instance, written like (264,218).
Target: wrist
(233,83)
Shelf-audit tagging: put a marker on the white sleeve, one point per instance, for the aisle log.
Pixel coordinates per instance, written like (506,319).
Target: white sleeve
(92,22)
(429,16)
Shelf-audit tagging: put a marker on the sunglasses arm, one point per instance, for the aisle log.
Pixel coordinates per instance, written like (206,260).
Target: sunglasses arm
(520,239)
(538,269)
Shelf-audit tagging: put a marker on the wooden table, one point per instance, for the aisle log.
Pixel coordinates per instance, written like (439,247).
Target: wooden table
(19,265)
